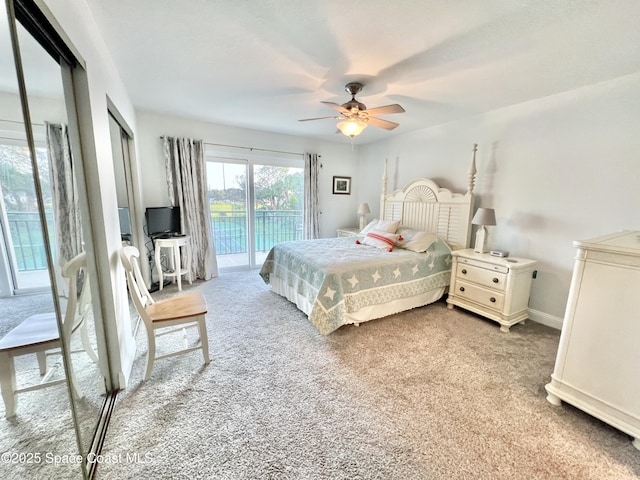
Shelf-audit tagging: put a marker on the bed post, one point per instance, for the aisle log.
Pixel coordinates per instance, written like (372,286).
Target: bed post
(469,195)
(472,171)
(384,189)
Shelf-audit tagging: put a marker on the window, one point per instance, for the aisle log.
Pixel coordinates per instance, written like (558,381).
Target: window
(255,203)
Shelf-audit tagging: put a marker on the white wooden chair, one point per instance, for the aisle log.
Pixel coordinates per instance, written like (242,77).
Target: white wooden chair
(187,310)
(39,334)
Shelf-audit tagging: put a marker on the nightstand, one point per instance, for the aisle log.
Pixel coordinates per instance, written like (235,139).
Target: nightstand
(348,231)
(494,287)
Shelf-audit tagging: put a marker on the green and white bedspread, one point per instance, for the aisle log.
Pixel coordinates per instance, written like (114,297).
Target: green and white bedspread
(335,276)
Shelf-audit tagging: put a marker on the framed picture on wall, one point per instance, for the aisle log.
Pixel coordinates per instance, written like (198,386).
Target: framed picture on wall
(342,185)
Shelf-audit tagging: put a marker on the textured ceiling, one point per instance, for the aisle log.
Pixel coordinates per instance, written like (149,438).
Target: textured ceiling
(264,64)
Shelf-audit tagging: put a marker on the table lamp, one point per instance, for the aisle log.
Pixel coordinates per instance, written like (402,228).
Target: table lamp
(483,217)
(363,211)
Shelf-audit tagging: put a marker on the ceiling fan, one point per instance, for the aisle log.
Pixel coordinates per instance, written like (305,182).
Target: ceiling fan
(356,116)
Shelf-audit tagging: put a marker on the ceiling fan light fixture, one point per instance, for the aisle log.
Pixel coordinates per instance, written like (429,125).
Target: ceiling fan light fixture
(352,128)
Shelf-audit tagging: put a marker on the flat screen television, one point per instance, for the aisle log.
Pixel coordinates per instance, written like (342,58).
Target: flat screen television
(162,220)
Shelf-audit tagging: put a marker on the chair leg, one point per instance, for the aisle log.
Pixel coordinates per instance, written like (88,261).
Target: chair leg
(86,343)
(8,384)
(204,339)
(151,354)
(75,386)
(42,362)
(77,391)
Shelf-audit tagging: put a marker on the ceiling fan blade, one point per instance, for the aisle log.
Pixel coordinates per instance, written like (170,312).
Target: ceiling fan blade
(378,122)
(340,108)
(386,110)
(339,117)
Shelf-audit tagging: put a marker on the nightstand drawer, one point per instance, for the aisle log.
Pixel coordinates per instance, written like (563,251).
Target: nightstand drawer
(480,295)
(482,276)
(485,265)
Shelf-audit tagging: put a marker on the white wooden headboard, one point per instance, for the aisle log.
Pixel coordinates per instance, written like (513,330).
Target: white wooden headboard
(423,205)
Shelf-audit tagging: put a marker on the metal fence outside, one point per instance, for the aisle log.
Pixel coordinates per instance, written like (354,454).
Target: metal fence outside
(271,227)
(28,241)
(229,229)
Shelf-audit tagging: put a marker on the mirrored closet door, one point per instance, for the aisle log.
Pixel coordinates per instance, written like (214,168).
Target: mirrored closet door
(51,374)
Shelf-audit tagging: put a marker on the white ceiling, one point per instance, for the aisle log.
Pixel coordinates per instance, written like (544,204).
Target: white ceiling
(265,64)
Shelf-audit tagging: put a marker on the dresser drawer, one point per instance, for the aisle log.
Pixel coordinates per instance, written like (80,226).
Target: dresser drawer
(475,293)
(489,278)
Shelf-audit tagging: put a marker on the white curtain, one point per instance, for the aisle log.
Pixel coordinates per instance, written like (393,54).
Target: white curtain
(187,181)
(64,193)
(311,210)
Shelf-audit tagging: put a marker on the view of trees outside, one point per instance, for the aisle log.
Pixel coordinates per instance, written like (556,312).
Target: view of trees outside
(16,178)
(20,204)
(276,188)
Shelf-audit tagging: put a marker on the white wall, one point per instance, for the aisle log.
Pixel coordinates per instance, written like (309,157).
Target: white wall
(558,169)
(337,159)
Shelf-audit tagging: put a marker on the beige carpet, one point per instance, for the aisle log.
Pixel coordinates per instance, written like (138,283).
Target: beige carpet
(426,394)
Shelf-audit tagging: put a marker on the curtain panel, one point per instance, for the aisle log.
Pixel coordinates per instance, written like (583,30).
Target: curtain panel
(187,182)
(311,209)
(64,193)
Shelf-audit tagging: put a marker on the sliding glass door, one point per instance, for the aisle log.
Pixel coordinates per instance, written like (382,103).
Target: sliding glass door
(278,200)
(228,201)
(22,235)
(254,204)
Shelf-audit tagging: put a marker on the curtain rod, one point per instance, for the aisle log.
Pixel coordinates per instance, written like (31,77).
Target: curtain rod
(252,149)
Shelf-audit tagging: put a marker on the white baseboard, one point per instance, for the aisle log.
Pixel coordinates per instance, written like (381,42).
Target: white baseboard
(545,319)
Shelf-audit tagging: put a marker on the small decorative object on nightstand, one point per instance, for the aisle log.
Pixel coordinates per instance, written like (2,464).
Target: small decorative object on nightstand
(495,287)
(348,231)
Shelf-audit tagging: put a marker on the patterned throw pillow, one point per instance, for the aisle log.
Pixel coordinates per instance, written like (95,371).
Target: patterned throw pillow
(380,239)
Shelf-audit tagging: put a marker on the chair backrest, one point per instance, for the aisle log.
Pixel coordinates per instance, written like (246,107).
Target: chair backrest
(129,256)
(79,302)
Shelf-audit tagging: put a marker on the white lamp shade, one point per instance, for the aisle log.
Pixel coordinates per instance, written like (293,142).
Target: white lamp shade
(484,216)
(364,209)
(351,128)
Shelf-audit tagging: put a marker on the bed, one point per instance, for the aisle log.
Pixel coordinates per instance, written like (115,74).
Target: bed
(351,280)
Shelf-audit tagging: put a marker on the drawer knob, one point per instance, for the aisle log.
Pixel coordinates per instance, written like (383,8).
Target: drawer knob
(493,299)
(495,280)
(462,289)
(464,271)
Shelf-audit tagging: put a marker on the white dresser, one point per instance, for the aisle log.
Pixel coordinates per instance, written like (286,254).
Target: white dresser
(598,363)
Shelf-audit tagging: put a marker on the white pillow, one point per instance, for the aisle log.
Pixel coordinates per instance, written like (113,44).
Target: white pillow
(370,226)
(389,226)
(415,240)
(380,239)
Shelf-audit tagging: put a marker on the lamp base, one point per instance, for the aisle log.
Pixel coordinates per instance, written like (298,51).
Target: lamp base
(362,222)
(481,237)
